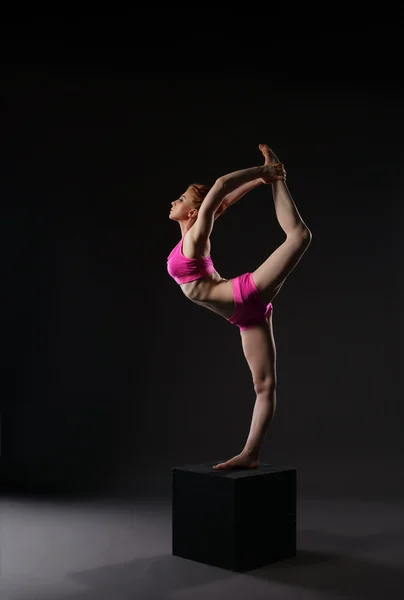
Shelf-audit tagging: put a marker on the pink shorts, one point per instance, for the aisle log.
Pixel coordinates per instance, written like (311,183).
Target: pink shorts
(250,310)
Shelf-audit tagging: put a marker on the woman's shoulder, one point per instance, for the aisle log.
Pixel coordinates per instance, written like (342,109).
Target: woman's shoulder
(195,250)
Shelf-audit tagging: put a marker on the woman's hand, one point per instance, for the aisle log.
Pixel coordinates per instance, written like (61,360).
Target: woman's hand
(272,168)
(274,172)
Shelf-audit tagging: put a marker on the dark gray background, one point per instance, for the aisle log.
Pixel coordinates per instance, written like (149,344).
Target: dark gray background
(110,375)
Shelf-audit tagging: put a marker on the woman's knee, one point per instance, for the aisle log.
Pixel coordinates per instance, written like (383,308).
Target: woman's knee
(265,385)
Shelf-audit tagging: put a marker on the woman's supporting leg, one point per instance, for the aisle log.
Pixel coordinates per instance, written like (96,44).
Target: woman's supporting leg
(260,352)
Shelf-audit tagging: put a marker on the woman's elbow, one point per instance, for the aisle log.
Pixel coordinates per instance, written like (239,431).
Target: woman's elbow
(221,184)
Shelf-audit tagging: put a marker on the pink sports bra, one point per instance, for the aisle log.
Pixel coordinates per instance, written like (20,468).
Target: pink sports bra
(183,269)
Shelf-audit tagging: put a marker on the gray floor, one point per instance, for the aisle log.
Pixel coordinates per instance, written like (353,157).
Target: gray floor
(116,550)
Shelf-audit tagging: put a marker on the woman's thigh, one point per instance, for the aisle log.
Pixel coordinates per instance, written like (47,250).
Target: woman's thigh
(272,273)
(259,349)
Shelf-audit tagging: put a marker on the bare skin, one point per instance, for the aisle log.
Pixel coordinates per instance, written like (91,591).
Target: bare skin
(260,352)
(240,461)
(258,342)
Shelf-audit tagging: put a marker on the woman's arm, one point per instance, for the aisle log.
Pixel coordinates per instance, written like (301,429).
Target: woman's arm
(238,193)
(234,196)
(226,184)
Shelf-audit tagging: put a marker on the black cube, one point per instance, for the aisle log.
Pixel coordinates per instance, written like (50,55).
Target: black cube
(238,519)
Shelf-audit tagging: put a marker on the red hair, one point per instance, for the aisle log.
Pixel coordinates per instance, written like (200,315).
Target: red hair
(199,191)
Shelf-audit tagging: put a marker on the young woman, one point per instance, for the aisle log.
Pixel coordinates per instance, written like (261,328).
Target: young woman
(246,300)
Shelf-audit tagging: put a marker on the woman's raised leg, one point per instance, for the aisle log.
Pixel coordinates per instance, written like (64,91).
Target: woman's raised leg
(276,268)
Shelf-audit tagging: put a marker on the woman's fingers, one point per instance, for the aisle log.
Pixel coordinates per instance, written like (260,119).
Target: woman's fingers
(274,172)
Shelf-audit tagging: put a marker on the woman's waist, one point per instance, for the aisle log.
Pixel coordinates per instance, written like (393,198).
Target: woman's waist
(208,289)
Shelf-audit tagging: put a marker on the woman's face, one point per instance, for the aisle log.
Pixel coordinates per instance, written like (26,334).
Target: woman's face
(181,207)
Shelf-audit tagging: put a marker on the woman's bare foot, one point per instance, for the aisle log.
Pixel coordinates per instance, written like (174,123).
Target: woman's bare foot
(241,461)
(270,157)
(273,169)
